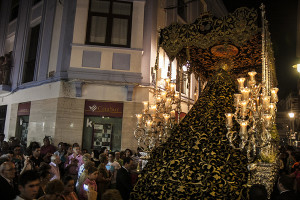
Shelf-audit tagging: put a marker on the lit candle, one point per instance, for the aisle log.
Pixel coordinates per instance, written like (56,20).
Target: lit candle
(149,124)
(168,102)
(272,109)
(229,120)
(245,93)
(241,83)
(268,118)
(274,96)
(252,78)
(158,99)
(237,99)
(176,95)
(244,107)
(243,128)
(172,86)
(146,105)
(166,117)
(139,118)
(163,95)
(266,102)
(152,110)
(172,113)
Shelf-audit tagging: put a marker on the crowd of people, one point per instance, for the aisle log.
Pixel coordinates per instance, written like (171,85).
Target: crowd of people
(65,172)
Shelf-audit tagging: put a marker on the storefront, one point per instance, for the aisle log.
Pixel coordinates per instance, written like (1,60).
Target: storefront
(23,122)
(102,125)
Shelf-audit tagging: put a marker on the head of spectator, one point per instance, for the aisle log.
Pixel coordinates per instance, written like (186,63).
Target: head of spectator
(69,185)
(54,190)
(10,155)
(111,194)
(92,173)
(2,136)
(55,159)
(76,149)
(258,192)
(128,163)
(285,183)
(89,164)
(103,159)
(35,149)
(46,141)
(13,141)
(69,149)
(84,151)
(4,148)
(95,154)
(117,155)
(8,169)
(86,157)
(45,177)
(111,157)
(128,153)
(16,150)
(61,147)
(29,183)
(44,167)
(104,150)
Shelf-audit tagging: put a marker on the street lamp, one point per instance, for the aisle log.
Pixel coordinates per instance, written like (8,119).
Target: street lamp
(297,66)
(292,117)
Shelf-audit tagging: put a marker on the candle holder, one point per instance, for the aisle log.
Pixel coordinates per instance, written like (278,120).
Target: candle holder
(255,112)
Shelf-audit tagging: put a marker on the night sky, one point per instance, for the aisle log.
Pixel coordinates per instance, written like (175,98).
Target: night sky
(282,17)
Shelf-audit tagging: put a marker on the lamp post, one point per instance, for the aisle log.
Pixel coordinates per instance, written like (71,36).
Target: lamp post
(292,117)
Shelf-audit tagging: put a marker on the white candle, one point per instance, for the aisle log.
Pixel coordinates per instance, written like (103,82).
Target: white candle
(266,102)
(243,127)
(274,96)
(163,94)
(172,113)
(268,118)
(168,102)
(244,107)
(245,93)
(252,78)
(152,110)
(229,119)
(146,105)
(139,118)
(241,83)
(237,99)
(272,109)
(166,117)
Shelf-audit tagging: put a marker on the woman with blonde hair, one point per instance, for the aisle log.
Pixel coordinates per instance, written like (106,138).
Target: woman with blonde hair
(84,174)
(104,177)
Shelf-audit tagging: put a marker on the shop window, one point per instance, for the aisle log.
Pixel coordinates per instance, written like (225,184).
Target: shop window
(109,23)
(22,129)
(14,10)
(29,65)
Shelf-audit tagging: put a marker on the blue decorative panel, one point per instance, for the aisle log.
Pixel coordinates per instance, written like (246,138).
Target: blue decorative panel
(121,61)
(91,59)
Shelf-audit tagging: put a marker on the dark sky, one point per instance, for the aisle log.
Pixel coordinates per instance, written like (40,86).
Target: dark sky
(282,17)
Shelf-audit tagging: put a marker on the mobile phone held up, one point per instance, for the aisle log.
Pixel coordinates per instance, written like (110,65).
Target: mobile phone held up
(85,187)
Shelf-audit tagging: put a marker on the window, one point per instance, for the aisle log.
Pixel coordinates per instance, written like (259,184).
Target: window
(14,10)
(29,65)
(109,23)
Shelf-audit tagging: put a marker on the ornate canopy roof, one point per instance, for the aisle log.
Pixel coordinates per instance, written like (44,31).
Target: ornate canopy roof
(209,42)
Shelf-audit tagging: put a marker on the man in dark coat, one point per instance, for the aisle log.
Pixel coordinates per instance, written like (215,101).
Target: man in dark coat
(285,186)
(123,178)
(8,190)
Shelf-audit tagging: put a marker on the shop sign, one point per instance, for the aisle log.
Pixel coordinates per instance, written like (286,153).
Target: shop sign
(108,109)
(24,109)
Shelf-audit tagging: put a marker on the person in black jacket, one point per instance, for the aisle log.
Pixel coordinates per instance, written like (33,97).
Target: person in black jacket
(123,178)
(8,190)
(285,186)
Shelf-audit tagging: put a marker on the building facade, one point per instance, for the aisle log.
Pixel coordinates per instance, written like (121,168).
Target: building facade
(79,70)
